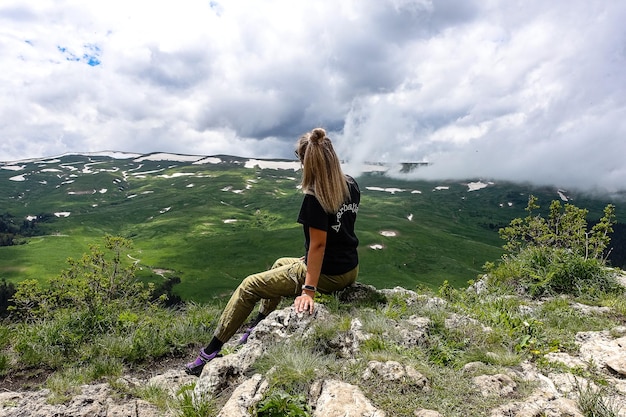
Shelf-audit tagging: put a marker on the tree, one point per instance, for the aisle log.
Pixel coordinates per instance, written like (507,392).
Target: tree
(565,228)
(97,281)
(7,290)
(559,254)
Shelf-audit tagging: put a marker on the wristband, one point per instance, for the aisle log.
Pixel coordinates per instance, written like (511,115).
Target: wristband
(309,288)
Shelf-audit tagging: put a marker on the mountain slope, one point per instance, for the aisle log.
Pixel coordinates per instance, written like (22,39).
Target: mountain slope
(213,220)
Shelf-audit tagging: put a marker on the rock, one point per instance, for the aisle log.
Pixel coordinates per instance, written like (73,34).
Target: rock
(228,378)
(600,347)
(347,345)
(565,359)
(471,367)
(499,385)
(393,371)
(414,330)
(135,408)
(618,331)
(590,310)
(358,292)
(454,321)
(172,380)
(529,373)
(227,371)
(539,404)
(565,383)
(426,413)
(230,370)
(411,297)
(617,364)
(435,303)
(92,400)
(245,396)
(339,399)
(479,287)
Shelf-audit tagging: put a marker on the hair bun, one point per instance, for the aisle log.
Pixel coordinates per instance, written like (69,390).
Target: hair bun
(317,135)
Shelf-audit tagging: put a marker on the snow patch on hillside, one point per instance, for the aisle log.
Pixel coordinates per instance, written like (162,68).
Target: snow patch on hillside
(387,190)
(114,154)
(177,174)
(169,157)
(473,186)
(14,167)
(208,160)
(230,188)
(388,233)
(263,164)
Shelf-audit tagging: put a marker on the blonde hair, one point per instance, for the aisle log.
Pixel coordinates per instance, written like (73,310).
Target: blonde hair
(321,170)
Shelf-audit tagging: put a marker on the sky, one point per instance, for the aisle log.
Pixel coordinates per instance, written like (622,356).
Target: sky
(514,90)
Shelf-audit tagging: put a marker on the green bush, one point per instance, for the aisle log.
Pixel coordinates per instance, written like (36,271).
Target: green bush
(98,282)
(281,404)
(557,255)
(97,315)
(548,271)
(564,228)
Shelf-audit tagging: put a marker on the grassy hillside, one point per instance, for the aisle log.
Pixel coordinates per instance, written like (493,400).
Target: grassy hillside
(213,222)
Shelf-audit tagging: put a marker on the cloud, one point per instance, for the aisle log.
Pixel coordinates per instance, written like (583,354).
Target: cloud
(531,91)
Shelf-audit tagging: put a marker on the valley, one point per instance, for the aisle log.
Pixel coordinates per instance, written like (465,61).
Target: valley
(212,220)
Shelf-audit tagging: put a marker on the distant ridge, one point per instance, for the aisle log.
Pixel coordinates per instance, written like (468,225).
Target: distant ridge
(401,167)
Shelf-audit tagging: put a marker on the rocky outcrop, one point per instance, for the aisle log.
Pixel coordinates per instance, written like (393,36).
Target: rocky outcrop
(92,400)
(231,377)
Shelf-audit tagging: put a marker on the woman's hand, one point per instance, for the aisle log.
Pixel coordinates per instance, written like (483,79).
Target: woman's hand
(304,302)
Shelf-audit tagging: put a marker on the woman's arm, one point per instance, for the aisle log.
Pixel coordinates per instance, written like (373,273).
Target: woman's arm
(315,256)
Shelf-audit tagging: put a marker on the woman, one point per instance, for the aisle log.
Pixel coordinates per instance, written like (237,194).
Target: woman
(328,213)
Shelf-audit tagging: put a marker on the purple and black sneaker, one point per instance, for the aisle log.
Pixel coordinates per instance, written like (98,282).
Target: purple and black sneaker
(246,334)
(195,367)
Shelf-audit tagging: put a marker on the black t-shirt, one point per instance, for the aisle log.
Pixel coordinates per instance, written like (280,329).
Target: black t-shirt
(341,254)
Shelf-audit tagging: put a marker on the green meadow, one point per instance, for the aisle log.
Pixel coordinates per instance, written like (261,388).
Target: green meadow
(211,224)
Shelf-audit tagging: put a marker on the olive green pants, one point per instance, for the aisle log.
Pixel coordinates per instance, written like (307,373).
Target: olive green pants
(284,279)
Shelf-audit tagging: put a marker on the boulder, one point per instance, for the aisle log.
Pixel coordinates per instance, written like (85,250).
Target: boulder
(340,399)
(500,385)
(392,371)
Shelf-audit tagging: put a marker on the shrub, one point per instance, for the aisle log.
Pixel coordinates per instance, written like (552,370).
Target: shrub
(189,405)
(97,313)
(546,271)
(594,401)
(281,404)
(294,366)
(557,255)
(97,282)
(565,228)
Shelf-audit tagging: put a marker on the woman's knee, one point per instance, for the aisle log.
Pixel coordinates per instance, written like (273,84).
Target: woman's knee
(249,282)
(282,261)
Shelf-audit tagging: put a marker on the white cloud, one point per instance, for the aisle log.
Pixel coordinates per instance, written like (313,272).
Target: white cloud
(532,91)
